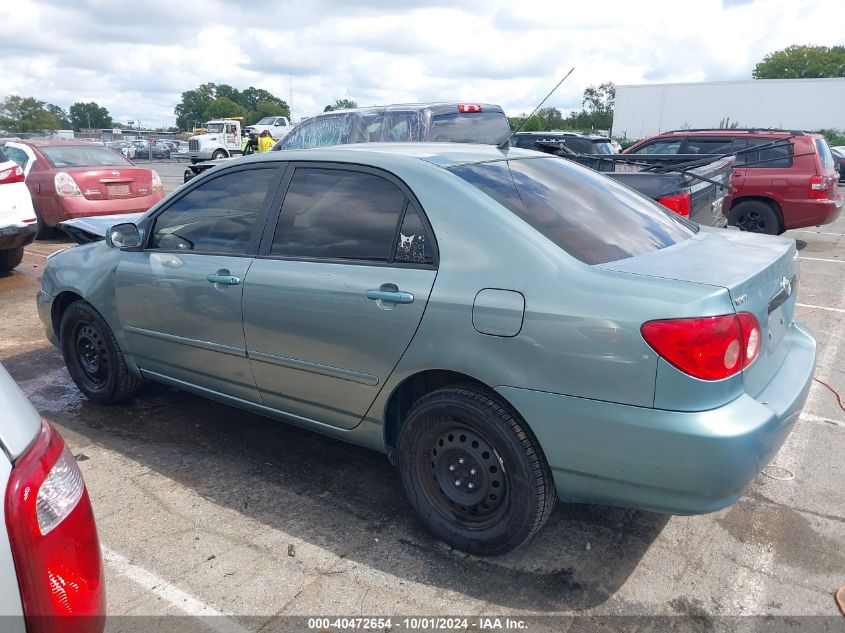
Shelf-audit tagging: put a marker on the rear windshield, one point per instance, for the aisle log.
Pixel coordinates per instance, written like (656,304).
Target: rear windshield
(825,156)
(590,216)
(490,128)
(82,156)
(603,147)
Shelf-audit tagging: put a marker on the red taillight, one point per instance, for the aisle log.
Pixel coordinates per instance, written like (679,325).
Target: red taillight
(54,540)
(679,203)
(710,348)
(11,175)
(818,188)
(469,107)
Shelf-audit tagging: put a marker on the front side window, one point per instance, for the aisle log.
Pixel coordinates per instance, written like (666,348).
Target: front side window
(591,217)
(219,216)
(338,214)
(214,128)
(663,146)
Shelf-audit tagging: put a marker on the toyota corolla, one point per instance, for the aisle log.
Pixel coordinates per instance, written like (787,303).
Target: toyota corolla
(508,327)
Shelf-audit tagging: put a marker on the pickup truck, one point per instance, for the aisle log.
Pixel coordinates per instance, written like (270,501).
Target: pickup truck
(278,126)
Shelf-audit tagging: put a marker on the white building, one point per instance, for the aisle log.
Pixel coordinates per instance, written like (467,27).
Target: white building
(800,104)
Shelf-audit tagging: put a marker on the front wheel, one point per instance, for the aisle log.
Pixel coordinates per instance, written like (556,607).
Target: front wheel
(93,357)
(219,155)
(10,258)
(473,472)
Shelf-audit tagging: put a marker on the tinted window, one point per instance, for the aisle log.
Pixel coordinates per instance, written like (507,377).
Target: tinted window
(318,132)
(219,216)
(603,147)
(413,245)
(591,217)
(336,214)
(82,156)
(3,157)
(700,145)
(663,146)
(778,155)
(825,157)
(15,154)
(491,128)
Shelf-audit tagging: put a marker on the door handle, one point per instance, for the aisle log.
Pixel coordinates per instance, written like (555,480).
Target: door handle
(223,278)
(390,296)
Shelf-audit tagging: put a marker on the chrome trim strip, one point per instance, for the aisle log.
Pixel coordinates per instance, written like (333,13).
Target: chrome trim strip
(314,368)
(190,342)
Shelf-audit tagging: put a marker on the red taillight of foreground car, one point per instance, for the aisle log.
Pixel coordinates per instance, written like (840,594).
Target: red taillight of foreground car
(11,175)
(710,348)
(679,203)
(54,540)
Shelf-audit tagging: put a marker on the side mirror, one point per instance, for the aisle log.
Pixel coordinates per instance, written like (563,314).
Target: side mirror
(124,235)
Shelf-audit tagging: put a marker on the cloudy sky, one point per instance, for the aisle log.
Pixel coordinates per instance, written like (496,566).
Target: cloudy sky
(137,57)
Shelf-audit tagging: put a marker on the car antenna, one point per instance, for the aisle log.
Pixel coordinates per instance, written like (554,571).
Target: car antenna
(504,144)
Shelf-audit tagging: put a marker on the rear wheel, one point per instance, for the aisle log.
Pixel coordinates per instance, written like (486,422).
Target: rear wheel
(93,357)
(10,258)
(473,472)
(755,216)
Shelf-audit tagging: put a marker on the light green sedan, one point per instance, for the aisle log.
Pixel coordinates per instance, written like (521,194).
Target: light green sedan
(507,326)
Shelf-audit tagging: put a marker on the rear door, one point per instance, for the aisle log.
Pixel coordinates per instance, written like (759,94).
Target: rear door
(179,299)
(337,292)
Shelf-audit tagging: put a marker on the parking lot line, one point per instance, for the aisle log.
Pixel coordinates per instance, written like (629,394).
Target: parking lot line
(171,594)
(819,259)
(807,305)
(818,232)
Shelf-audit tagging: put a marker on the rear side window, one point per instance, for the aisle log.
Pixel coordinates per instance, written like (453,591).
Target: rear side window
(219,216)
(3,157)
(825,157)
(777,152)
(320,132)
(413,245)
(663,146)
(338,214)
(702,145)
(490,128)
(591,217)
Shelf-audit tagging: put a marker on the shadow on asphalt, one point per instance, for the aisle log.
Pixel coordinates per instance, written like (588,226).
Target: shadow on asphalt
(341,497)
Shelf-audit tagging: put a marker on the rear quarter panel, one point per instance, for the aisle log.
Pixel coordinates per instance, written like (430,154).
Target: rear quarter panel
(11,610)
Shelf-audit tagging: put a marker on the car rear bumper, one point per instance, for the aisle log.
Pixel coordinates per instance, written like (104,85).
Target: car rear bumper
(17,235)
(77,207)
(667,461)
(798,214)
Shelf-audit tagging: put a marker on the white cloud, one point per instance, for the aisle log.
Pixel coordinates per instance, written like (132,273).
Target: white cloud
(136,59)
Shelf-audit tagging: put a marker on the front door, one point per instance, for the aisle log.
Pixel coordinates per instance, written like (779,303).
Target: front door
(179,299)
(338,293)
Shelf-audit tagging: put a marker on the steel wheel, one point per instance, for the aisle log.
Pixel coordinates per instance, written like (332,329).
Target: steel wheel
(92,356)
(465,477)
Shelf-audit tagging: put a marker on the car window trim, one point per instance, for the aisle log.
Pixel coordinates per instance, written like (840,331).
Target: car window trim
(411,200)
(254,241)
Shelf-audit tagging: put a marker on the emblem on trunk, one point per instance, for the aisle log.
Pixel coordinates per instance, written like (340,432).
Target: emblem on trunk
(740,300)
(786,286)
(115,173)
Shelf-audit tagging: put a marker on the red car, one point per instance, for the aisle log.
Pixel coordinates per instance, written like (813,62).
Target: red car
(72,179)
(773,189)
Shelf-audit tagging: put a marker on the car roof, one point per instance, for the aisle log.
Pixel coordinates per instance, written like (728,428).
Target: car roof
(437,107)
(441,154)
(732,132)
(589,137)
(36,142)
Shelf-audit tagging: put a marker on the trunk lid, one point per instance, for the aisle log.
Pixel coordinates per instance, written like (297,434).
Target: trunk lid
(112,183)
(759,272)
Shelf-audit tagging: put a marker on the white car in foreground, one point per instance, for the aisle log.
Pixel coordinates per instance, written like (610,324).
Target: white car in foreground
(51,569)
(17,217)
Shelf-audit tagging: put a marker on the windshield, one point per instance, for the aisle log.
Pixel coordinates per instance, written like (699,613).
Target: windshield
(214,127)
(490,128)
(82,156)
(268,120)
(590,216)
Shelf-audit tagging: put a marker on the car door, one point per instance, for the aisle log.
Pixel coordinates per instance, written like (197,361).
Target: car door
(179,298)
(337,292)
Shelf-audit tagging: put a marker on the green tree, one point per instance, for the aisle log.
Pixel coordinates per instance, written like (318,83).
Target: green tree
(89,115)
(802,62)
(191,110)
(341,104)
(223,107)
(61,115)
(228,92)
(26,114)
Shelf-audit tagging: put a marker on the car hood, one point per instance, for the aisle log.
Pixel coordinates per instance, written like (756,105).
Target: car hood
(93,229)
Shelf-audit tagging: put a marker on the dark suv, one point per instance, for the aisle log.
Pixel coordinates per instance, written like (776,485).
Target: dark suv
(788,185)
(575,143)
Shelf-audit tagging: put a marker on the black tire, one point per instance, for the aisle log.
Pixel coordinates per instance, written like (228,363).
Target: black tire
(44,232)
(755,216)
(499,496)
(10,258)
(93,357)
(219,155)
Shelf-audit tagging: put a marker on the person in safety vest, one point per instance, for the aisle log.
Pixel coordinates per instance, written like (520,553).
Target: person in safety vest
(265,142)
